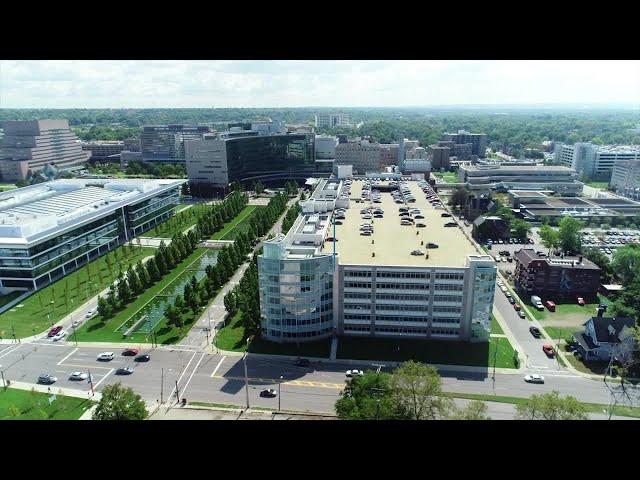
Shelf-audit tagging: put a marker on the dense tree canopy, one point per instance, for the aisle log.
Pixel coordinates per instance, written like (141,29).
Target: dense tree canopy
(120,403)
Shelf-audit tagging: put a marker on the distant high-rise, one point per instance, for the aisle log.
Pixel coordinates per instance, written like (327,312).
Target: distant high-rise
(165,143)
(31,145)
(477,140)
(594,161)
(332,120)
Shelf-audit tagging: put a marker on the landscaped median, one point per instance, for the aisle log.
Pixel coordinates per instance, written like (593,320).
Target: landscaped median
(185,218)
(47,306)
(239,224)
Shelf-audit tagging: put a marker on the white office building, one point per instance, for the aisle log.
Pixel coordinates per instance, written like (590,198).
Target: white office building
(625,179)
(332,120)
(594,161)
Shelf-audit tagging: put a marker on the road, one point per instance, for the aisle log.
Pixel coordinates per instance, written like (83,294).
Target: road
(216,378)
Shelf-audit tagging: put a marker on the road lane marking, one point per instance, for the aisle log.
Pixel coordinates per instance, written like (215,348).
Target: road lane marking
(296,383)
(9,350)
(184,389)
(182,375)
(74,351)
(95,385)
(218,366)
(88,367)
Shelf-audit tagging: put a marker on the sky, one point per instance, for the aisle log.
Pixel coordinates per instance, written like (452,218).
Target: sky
(319,83)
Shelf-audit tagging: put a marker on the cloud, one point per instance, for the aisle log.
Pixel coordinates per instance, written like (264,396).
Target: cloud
(340,83)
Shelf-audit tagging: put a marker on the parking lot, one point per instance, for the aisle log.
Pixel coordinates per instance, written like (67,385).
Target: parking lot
(609,240)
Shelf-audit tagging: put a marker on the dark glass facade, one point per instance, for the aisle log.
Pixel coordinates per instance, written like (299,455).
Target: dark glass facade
(270,156)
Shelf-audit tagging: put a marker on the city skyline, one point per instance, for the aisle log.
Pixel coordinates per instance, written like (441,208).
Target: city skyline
(318,83)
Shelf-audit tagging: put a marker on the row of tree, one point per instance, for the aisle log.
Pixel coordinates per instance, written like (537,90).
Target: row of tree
(290,218)
(214,218)
(413,391)
(142,276)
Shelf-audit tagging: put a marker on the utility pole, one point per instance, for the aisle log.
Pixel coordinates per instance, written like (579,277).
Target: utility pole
(177,393)
(75,337)
(4,383)
(162,386)
(91,383)
(495,354)
(279,389)
(246,376)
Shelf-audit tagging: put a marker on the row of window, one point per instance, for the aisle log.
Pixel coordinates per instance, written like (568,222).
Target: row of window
(294,322)
(417,275)
(278,333)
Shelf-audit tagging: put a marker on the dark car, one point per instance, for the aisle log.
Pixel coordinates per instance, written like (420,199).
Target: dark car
(47,379)
(130,352)
(535,331)
(302,362)
(54,331)
(432,245)
(511,300)
(445,214)
(268,393)
(143,358)
(124,371)
(451,224)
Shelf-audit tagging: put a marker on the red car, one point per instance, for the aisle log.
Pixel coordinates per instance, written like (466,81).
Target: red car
(130,352)
(548,349)
(581,301)
(550,305)
(54,331)
(517,307)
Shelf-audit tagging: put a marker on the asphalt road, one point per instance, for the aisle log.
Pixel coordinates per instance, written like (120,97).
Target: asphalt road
(220,379)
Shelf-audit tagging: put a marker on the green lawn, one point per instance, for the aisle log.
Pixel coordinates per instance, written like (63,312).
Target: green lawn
(238,224)
(429,351)
(633,412)
(495,326)
(568,310)
(68,293)
(603,185)
(448,177)
(95,330)
(592,368)
(232,338)
(35,406)
(560,332)
(7,186)
(178,223)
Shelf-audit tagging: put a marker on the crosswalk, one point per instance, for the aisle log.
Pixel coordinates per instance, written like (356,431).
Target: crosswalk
(296,383)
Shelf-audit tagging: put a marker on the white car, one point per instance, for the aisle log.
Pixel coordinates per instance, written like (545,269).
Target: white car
(90,313)
(417,252)
(59,336)
(106,356)
(534,378)
(78,376)
(354,373)
(76,323)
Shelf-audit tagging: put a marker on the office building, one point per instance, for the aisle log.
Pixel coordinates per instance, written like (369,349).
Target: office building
(165,143)
(594,161)
(555,278)
(559,179)
(219,160)
(478,141)
(103,150)
(332,120)
(439,157)
(132,144)
(362,154)
(30,145)
(625,179)
(49,229)
(370,285)
(325,147)
(268,127)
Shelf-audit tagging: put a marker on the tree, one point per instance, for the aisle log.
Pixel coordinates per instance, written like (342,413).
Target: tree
(104,309)
(173,316)
(258,187)
(600,259)
(627,303)
(550,406)
(520,228)
(626,263)
(459,197)
(475,410)
(417,392)
(367,398)
(549,237)
(120,403)
(569,234)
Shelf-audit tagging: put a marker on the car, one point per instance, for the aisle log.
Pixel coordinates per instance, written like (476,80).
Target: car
(451,224)
(418,217)
(76,323)
(420,225)
(534,378)
(521,314)
(47,379)
(90,313)
(130,352)
(268,393)
(354,373)
(366,233)
(511,300)
(581,301)
(54,331)
(444,214)
(548,349)
(550,305)
(517,307)
(535,331)
(302,362)
(143,358)
(432,245)
(78,376)
(124,371)
(105,356)
(338,222)
(59,336)
(405,222)
(417,251)
(331,239)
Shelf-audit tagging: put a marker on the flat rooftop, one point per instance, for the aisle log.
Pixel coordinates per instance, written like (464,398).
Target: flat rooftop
(29,212)
(394,242)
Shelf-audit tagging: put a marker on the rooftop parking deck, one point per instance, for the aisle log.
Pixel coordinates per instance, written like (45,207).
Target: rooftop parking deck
(393,242)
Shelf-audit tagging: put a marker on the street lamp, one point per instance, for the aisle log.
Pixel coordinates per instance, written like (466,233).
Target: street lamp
(246,376)
(279,388)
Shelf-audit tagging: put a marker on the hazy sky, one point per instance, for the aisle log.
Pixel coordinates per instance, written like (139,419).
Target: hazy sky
(271,83)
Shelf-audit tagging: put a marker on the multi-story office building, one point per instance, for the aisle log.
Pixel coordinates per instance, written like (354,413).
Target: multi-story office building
(332,120)
(388,154)
(567,277)
(165,143)
(536,177)
(372,285)
(131,144)
(594,161)
(362,154)
(268,127)
(439,157)
(325,147)
(30,145)
(477,140)
(219,161)
(102,150)
(50,229)
(625,179)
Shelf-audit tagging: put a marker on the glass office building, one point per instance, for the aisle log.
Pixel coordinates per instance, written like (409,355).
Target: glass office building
(50,229)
